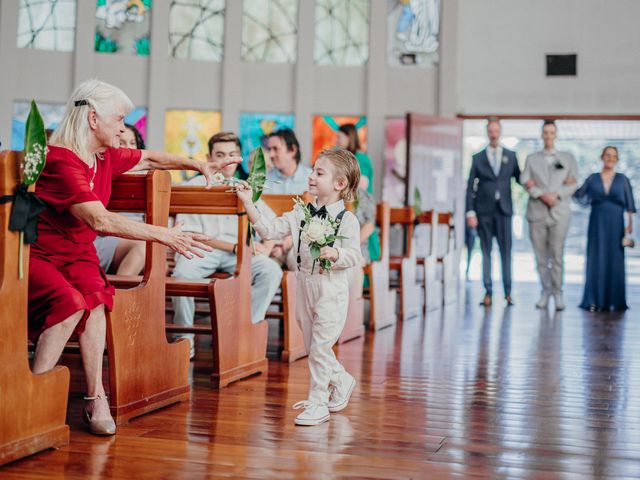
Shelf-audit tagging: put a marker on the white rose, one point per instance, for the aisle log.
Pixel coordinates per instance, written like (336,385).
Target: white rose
(315,231)
(328,228)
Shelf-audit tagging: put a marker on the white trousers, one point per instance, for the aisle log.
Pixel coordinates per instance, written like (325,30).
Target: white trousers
(321,311)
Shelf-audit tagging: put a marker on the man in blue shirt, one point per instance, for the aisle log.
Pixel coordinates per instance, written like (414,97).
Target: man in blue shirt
(287,176)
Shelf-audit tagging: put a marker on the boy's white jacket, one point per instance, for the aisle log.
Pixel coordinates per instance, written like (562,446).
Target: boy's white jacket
(349,253)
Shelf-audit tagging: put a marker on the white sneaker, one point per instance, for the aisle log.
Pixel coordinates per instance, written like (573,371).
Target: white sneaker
(559,301)
(314,413)
(544,301)
(340,394)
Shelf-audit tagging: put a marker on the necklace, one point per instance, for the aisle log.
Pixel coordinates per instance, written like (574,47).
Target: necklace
(95,170)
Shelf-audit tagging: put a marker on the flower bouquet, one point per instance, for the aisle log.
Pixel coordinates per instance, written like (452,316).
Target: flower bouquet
(317,232)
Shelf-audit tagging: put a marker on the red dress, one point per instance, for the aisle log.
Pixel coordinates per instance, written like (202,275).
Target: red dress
(64,270)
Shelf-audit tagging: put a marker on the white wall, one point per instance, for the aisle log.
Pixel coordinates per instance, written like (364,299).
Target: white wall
(501,56)
(160,82)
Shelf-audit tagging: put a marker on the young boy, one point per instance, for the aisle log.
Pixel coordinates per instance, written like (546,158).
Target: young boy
(322,295)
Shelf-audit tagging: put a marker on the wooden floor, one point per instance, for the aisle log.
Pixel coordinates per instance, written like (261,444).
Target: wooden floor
(466,393)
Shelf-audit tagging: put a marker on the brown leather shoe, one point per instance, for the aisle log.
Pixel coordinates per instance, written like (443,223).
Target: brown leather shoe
(486,301)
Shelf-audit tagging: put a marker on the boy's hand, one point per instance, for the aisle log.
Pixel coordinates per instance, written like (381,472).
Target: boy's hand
(244,192)
(329,253)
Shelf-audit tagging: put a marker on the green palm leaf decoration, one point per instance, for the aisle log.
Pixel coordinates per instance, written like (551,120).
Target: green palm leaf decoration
(417,202)
(258,174)
(35,146)
(26,206)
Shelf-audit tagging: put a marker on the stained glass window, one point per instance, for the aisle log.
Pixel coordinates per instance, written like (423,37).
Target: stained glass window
(325,128)
(342,32)
(196,29)
(47,24)
(413,27)
(123,26)
(255,129)
(186,133)
(269,29)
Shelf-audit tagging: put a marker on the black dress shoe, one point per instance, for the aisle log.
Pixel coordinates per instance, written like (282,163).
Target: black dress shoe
(509,301)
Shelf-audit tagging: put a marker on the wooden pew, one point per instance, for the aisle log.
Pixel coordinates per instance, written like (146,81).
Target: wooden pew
(293,343)
(33,408)
(382,300)
(239,347)
(145,371)
(425,243)
(408,290)
(446,256)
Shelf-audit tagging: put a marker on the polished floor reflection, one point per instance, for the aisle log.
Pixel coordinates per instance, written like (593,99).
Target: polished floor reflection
(464,393)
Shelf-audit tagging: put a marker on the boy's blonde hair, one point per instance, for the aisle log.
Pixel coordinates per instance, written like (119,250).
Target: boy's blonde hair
(347,167)
(73,131)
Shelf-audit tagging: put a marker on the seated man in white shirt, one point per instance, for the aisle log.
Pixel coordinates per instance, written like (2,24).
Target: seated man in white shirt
(287,176)
(223,229)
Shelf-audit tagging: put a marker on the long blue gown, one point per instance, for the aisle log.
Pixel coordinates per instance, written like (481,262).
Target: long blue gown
(605,277)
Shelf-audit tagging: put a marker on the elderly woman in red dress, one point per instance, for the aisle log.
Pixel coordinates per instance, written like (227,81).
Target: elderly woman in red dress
(68,291)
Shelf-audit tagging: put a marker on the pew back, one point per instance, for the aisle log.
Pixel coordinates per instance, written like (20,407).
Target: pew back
(32,407)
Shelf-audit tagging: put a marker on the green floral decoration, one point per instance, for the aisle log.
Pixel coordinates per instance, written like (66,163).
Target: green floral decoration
(258,174)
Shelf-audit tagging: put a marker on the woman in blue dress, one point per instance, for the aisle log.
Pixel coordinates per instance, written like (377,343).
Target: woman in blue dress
(610,195)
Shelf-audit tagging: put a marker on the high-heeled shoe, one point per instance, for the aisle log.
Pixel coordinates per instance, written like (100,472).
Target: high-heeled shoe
(98,427)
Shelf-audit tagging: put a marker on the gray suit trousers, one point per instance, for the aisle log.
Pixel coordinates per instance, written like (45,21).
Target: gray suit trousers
(548,238)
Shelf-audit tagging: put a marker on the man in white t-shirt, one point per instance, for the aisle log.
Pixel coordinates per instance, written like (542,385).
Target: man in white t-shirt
(266,274)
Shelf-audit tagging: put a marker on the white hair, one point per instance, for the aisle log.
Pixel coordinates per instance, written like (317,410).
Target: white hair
(73,131)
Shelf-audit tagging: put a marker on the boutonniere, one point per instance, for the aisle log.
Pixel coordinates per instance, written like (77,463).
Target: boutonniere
(505,159)
(558,165)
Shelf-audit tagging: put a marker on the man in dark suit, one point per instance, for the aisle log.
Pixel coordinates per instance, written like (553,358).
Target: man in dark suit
(489,207)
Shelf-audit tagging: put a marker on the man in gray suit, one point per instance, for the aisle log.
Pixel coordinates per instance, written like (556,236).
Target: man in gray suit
(550,179)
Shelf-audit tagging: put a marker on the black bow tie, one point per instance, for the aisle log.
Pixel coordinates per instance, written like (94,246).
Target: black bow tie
(318,212)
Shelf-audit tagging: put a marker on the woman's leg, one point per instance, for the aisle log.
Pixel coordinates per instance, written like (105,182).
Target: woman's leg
(92,343)
(129,257)
(52,342)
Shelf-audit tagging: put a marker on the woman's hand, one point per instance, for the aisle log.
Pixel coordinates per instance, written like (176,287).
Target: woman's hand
(329,253)
(214,166)
(244,192)
(186,243)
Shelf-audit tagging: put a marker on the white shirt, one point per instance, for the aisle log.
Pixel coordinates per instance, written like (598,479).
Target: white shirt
(498,156)
(549,156)
(220,227)
(349,254)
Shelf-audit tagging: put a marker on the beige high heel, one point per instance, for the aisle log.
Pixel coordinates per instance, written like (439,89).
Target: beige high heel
(98,427)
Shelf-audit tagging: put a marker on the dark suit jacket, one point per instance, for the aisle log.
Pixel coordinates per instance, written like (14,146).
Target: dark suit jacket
(483,184)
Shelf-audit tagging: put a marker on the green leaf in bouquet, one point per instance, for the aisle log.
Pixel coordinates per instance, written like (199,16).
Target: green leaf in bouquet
(315,251)
(35,146)
(258,174)
(417,201)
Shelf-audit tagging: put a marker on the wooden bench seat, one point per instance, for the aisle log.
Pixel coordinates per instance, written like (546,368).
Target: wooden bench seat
(447,257)
(382,300)
(33,408)
(408,291)
(145,371)
(239,347)
(425,241)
